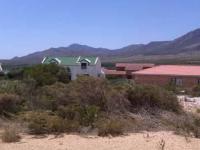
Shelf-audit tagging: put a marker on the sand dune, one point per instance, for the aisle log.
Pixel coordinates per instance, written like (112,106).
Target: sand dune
(136,141)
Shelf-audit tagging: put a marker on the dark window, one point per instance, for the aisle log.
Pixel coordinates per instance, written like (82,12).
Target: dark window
(177,81)
(83,65)
(198,81)
(70,77)
(53,61)
(129,76)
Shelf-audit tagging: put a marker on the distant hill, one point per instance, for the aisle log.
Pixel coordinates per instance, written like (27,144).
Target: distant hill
(186,44)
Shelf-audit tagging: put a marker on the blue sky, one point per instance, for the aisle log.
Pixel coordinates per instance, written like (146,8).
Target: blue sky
(32,25)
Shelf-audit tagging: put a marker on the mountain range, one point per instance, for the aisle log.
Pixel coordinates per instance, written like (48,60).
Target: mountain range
(186,45)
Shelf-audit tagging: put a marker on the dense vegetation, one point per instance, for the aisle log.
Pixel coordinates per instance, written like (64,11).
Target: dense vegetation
(43,97)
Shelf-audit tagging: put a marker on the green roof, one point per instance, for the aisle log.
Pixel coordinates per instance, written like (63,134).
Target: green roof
(69,61)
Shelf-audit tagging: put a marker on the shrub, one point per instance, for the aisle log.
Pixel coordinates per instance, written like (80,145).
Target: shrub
(110,127)
(153,96)
(47,74)
(12,87)
(43,122)
(16,74)
(69,112)
(48,97)
(10,135)
(197,128)
(37,122)
(88,115)
(8,103)
(55,124)
(2,75)
(196,91)
(90,91)
(187,123)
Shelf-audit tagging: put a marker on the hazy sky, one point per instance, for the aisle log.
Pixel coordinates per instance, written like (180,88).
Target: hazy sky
(32,25)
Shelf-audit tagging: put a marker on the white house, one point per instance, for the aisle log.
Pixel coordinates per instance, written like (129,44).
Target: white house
(90,66)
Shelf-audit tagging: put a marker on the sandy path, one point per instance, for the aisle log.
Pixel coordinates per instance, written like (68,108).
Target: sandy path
(139,141)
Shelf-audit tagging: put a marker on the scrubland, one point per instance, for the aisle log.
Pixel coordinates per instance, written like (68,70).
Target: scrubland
(41,109)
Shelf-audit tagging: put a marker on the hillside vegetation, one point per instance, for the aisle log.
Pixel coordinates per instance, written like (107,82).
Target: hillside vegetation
(42,100)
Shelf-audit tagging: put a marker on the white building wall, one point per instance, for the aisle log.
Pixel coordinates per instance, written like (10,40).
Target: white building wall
(1,69)
(92,70)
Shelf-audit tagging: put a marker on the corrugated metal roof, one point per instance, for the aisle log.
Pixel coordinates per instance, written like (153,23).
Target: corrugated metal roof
(178,70)
(69,61)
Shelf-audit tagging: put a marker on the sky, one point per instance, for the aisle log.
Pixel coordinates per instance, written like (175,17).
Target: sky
(28,26)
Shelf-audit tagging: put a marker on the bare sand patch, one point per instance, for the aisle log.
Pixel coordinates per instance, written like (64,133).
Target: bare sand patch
(133,141)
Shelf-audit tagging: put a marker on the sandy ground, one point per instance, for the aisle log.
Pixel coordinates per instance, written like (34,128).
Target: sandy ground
(137,141)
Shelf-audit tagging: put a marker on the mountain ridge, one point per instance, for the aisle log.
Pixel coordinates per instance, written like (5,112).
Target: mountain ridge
(188,43)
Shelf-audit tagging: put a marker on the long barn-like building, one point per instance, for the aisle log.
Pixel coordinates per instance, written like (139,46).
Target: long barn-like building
(180,75)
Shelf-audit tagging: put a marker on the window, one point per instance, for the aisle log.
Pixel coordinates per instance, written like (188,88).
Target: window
(53,61)
(83,65)
(177,81)
(198,81)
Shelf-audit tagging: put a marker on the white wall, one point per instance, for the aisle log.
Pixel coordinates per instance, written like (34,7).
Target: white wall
(1,69)
(92,70)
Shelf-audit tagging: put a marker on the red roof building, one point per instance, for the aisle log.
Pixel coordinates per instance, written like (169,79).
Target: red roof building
(182,75)
(114,73)
(132,66)
(126,69)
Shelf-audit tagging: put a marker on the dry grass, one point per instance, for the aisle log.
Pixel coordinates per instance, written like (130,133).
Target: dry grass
(10,134)
(111,127)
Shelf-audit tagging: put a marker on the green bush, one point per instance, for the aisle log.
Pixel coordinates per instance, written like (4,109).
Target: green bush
(153,96)
(112,127)
(90,91)
(37,122)
(2,75)
(55,124)
(69,112)
(15,74)
(88,115)
(9,103)
(12,87)
(196,91)
(48,97)
(44,122)
(47,74)
(10,135)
